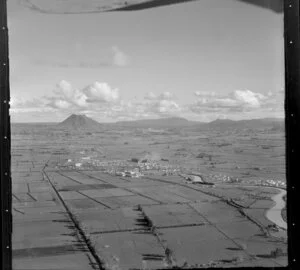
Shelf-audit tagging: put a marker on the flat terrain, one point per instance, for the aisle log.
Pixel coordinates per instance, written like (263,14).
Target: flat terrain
(122,198)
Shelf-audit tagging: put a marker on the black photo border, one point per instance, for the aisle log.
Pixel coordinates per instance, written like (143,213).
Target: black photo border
(292,127)
(292,123)
(5,147)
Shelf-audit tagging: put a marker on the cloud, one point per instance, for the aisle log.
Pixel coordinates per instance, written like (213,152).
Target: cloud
(101,92)
(248,98)
(151,96)
(60,104)
(120,59)
(96,97)
(66,96)
(242,101)
(21,105)
(104,103)
(162,96)
(164,107)
(140,109)
(16,102)
(163,104)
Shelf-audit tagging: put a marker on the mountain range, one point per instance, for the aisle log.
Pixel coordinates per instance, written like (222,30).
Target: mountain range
(76,122)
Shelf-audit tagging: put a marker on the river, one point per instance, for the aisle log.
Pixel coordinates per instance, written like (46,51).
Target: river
(274,213)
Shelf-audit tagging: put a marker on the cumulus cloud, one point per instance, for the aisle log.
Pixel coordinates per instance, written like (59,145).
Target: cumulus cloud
(101,100)
(164,107)
(60,104)
(96,96)
(236,101)
(166,96)
(104,102)
(248,98)
(152,107)
(66,96)
(120,59)
(101,92)
(163,104)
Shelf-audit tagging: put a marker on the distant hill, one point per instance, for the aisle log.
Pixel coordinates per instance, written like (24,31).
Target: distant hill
(157,123)
(263,123)
(78,122)
(82,122)
(220,124)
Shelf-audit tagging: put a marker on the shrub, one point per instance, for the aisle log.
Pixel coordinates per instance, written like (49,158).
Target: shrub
(201,155)
(276,253)
(243,246)
(168,252)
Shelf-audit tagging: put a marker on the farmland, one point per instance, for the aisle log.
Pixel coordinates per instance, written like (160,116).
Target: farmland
(122,197)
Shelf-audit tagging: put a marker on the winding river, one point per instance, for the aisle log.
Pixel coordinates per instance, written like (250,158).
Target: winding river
(274,213)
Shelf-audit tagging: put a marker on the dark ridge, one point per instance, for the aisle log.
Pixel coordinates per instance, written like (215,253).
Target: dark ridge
(274,5)
(149,4)
(178,122)
(263,123)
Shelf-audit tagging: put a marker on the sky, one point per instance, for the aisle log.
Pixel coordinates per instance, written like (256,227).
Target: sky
(201,60)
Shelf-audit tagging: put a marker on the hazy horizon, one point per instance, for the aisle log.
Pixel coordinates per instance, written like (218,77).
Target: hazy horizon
(112,122)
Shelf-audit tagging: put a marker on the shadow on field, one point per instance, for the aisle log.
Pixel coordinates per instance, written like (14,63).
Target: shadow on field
(153,257)
(234,248)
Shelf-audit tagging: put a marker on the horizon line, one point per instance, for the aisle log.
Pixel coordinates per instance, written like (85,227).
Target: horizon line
(57,122)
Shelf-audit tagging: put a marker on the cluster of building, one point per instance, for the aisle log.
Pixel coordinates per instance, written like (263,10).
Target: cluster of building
(126,168)
(141,168)
(195,179)
(137,168)
(135,173)
(230,179)
(223,178)
(274,183)
(155,166)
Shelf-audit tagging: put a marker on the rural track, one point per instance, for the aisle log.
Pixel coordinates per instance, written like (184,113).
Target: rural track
(157,227)
(78,182)
(80,232)
(107,206)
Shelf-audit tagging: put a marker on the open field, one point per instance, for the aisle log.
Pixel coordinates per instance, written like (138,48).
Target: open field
(122,198)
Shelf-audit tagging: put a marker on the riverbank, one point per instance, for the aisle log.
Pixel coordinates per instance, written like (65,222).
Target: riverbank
(283,212)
